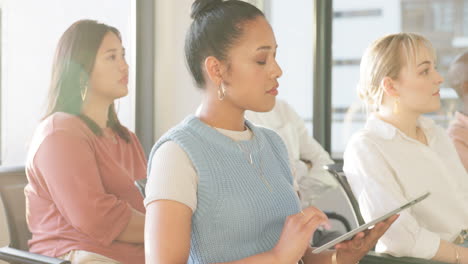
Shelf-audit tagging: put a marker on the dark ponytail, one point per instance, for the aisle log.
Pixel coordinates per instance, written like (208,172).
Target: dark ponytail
(203,6)
(216,26)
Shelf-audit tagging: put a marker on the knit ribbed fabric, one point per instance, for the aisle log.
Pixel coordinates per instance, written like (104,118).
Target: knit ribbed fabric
(237,214)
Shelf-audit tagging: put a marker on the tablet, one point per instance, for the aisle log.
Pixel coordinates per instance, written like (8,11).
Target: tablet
(353,232)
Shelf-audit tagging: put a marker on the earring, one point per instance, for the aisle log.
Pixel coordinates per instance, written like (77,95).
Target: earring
(83,92)
(396,106)
(221,92)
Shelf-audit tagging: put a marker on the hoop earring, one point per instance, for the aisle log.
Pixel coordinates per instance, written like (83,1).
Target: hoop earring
(83,92)
(221,92)
(396,106)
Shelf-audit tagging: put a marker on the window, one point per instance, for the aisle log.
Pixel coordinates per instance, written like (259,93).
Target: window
(294,32)
(443,22)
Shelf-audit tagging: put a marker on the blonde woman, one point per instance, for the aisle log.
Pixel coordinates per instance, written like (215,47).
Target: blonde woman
(400,154)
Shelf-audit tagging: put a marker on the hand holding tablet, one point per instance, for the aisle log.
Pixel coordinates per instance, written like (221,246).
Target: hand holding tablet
(361,228)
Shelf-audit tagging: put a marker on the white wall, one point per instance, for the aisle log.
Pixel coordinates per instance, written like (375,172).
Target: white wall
(350,42)
(294,32)
(176,96)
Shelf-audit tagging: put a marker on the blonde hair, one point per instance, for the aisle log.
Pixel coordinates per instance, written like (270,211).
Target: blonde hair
(386,57)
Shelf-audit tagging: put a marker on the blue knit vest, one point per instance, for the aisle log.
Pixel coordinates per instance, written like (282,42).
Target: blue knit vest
(237,214)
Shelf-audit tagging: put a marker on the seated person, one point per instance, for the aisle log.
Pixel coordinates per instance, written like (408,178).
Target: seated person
(220,189)
(306,156)
(401,154)
(458,130)
(81,201)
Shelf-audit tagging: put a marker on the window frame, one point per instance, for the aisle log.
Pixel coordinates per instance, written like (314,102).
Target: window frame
(144,72)
(322,107)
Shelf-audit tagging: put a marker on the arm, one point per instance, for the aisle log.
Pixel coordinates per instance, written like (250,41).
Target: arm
(168,225)
(70,173)
(170,200)
(133,233)
(459,139)
(462,151)
(350,252)
(168,214)
(167,235)
(456,133)
(294,240)
(447,252)
(167,232)
(168,220)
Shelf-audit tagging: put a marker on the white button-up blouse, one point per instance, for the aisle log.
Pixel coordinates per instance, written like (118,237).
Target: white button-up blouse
(386,169)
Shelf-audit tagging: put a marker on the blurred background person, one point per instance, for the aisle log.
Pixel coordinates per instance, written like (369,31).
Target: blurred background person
(458,130)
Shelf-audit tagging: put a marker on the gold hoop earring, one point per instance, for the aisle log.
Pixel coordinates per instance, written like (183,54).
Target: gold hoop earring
(396,106)
(83,92)
(221,92)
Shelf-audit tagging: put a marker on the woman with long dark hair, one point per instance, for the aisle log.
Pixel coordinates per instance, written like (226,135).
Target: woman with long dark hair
(81,201)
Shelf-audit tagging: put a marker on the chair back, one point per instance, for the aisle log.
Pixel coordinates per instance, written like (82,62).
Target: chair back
(337,171)
(12,183)
(141,184)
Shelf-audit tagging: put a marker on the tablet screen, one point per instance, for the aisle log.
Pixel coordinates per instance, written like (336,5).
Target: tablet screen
(353,232)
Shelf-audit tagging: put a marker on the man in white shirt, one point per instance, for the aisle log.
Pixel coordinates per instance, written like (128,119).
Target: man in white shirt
(458,129)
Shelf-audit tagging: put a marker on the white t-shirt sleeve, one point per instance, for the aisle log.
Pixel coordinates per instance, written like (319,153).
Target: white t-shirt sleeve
(172,177)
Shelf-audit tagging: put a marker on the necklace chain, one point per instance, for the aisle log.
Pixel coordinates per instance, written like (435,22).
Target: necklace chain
(259,168)
(248,156)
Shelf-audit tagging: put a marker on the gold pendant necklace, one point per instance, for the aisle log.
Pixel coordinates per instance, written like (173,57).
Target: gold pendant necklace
(258,168)
(248,156)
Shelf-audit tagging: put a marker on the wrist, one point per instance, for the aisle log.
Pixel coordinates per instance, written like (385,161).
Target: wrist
(275,257)
(338,258)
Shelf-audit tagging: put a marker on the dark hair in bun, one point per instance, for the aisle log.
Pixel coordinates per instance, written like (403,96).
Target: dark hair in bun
(201,6)
(216,25)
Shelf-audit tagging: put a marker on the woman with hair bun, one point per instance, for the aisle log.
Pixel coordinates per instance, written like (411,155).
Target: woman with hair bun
(220,189)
